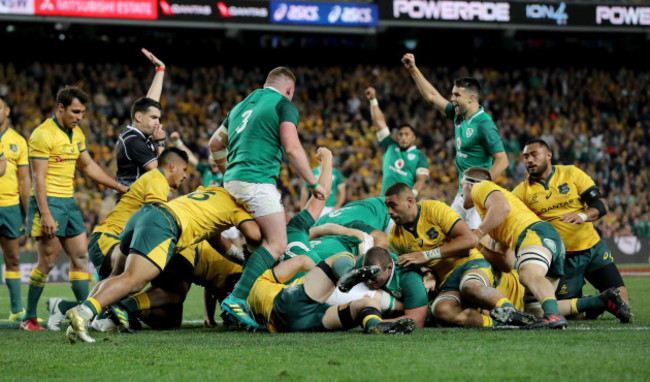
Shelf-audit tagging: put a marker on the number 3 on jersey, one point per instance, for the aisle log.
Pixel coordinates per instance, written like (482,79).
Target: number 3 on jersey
(245,115)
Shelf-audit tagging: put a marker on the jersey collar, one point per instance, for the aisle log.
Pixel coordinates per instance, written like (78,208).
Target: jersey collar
(478,112)
(68,133)
(272,88)
(410,148)
(129,127)
(3,133)
(414,228)
(392,273)
(548,181)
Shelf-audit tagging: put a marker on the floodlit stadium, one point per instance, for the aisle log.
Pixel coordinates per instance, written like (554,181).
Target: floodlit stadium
(322,190)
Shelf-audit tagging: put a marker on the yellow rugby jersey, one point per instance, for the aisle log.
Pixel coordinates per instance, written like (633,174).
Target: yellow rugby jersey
(512,288)
(518,219)
(61,148)
(263,293)
(204,212)
(150,187)
(211,268)
(560,195)
(14,147)
(434,222)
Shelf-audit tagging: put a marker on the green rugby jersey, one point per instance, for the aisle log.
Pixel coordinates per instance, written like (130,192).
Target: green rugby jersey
(254,147)
(371,211)
(405,284)
(477,139)
(400,165)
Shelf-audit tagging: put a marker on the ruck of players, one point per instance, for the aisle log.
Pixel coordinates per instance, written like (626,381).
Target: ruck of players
(387,263)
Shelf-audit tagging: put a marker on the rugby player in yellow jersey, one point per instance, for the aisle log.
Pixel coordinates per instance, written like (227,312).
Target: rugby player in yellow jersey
(431,233)
(103,248)
(300,306)
(56,148)
(161,305)
(3,163)
(570,201)
(14,192)
(537,246)
(152,235)
(214,272)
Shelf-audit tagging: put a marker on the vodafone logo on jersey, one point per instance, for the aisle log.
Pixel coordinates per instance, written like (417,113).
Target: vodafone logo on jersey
(399,163)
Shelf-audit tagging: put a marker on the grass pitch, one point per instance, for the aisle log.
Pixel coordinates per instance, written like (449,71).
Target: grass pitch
(601,350)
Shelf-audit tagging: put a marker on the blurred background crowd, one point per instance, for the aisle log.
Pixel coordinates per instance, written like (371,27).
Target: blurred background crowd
(598,120)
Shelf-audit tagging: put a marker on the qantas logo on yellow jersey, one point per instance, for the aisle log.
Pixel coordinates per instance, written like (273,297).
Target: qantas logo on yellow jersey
(551,208)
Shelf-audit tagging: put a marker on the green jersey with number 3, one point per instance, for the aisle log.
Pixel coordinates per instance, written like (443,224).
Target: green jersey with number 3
(477,139)
(254,146)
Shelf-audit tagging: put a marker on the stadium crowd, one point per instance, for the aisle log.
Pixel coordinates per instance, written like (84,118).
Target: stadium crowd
(596,119)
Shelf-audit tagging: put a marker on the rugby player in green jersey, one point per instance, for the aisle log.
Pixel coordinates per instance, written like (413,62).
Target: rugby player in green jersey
(248,149)
(477,140)
(403,162)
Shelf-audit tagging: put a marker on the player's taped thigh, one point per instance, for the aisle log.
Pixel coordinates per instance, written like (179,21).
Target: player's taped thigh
(345,316)
(473,277)
(328,271)
(444,297)
(534,254)
(605,277)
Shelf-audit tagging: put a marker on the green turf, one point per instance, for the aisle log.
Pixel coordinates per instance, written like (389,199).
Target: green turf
(601,350)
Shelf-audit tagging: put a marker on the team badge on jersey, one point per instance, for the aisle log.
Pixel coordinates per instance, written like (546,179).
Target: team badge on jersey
(13,148)
(79,146)
(551,245)
(432,233)
(564,188)
(399,163)
(469,132)
(411,156)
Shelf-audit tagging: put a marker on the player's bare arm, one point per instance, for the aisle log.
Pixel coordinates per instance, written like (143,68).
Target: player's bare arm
(218,146)
(427,90)
(378,118)
(298,158)
(499,164)
(498,208)
(156,85)
(94,172)
(461,241)
(39,170)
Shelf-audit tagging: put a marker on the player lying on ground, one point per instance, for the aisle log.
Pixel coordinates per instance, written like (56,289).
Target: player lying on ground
(301,305)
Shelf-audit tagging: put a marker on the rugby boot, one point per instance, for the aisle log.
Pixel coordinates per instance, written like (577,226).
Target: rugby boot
(358,275)
(616,305)
(509,315)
